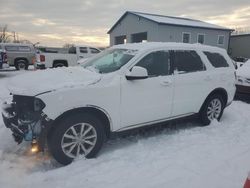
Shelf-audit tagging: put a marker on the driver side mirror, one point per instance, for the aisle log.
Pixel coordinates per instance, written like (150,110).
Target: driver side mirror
(137,73)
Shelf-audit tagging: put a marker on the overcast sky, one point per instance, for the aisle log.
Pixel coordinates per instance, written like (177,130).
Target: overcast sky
(56,22)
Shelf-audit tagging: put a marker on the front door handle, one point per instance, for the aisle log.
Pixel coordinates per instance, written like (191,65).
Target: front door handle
(166,82)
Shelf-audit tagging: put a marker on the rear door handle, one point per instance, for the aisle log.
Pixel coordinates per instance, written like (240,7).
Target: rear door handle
(208,78)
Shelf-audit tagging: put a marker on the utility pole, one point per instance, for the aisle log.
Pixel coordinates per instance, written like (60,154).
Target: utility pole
(17,37)
(14,35)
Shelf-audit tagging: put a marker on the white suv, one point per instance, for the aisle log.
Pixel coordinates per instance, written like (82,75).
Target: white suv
(75,109)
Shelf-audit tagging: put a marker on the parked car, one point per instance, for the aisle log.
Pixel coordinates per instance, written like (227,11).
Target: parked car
(243,78)
(19,55)
(3,59)
(56,57)
(128,86)
(240,61)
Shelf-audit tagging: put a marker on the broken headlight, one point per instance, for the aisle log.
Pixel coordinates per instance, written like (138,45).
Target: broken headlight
(38,105)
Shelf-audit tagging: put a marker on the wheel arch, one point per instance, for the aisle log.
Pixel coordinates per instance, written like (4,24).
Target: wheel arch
(97,111)
(220,91)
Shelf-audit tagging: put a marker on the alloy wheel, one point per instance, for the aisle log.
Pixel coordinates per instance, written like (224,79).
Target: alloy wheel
(214,109)
(79,139)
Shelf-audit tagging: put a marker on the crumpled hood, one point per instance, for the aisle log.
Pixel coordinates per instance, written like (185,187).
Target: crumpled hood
(41,81)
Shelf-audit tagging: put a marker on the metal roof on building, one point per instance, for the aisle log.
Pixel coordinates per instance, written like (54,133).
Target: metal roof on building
(170,20)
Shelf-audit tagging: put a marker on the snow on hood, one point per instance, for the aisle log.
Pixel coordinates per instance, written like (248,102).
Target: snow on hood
(34,83)
(244,70)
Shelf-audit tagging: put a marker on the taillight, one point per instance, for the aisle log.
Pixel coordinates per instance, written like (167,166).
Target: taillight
(33,60)
(5,58)
(42,58)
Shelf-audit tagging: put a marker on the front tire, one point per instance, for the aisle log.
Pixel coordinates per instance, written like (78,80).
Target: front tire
(75,135)
(212,109)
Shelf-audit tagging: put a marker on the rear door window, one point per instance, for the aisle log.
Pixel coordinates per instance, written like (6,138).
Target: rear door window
(84,50)
(187,61)
(216,59)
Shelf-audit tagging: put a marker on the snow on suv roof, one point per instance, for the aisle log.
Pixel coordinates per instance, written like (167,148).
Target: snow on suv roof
(154,45)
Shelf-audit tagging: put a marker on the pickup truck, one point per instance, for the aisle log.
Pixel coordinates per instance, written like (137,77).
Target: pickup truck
(56,57)
(19,55)
(3,59)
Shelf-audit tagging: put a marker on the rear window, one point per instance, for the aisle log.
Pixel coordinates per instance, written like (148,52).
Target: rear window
(216,59)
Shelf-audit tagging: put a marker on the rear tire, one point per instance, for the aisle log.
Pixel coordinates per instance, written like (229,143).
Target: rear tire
(212,109)
(21,65)
(79,134)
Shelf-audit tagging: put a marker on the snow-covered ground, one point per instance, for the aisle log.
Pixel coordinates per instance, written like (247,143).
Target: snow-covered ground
(179,156)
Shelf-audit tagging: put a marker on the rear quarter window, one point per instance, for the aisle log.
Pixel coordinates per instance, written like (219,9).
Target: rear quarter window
(18,48)
(217,60)
(11,48)
(24,49)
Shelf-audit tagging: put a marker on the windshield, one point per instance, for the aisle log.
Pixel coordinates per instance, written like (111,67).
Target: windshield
(110,60)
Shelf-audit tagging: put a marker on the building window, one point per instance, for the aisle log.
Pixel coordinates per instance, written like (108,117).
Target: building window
(186,37)
(201,38)
(221,39)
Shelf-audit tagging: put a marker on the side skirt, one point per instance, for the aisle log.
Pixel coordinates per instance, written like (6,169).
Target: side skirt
(154,122)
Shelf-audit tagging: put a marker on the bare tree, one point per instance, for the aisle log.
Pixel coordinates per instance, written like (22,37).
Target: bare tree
(3,34)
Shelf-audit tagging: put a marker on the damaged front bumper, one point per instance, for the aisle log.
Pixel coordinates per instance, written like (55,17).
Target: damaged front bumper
(29,130)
